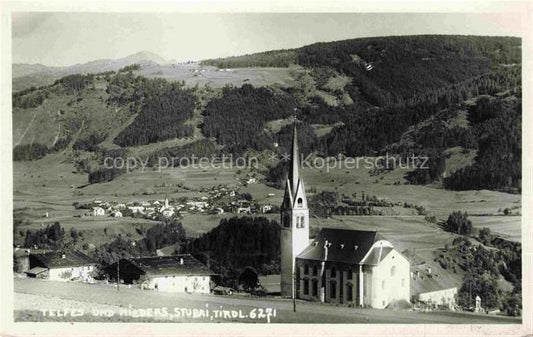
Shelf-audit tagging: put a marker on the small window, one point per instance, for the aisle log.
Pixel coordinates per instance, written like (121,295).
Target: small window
(383,284)
(315,287)
(393,271)
(306,269)
(306,287)
(315,271)
(300,202)
(349,274)
(333,272)
(332,289)
(403,283)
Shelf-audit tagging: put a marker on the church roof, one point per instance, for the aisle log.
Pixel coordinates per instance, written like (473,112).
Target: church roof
(375,257)
(344,245)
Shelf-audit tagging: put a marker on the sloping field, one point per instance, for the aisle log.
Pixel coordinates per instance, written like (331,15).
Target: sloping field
(52,295)
(194,73)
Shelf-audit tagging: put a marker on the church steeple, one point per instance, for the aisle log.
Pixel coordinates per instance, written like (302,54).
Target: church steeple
(294,222)
(293,174)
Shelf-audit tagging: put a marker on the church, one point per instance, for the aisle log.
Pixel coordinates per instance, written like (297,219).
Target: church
(340,266)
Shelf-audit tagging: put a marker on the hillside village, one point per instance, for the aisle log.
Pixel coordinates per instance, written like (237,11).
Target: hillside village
(168,271)
(219,200)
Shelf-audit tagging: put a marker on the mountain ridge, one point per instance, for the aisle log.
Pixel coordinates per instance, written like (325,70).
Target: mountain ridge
(99,65)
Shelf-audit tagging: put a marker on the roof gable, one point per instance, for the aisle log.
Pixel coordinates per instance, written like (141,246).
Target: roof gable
(377,254)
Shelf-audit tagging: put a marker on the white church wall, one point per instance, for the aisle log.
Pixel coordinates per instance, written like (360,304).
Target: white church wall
(390,280)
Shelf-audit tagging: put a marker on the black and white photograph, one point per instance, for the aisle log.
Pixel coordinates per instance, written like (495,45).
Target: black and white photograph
(258,168)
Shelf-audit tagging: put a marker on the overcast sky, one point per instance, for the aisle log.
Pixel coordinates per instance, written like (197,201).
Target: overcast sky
(59,39)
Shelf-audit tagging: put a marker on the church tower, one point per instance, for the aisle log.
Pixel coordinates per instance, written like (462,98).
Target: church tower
(294,222)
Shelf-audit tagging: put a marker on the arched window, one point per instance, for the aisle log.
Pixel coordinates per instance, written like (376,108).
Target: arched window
(315,287)
(306,269)
(315,271)
(306,287)
(332,289)
(403,283)
(333,272)
(349,274)
(300,202)
(300,222)
(383,284)
(349,292)
(393,271)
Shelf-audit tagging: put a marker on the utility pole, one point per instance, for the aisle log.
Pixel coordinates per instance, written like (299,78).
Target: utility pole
(118,274)
(293,291)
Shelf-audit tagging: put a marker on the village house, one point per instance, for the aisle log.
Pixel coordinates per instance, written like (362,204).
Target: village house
(98,211)
(266,208)
(116,214)
(197,204)
(340,266)
(244,210)
(66,266)
(136,209)
(178,273)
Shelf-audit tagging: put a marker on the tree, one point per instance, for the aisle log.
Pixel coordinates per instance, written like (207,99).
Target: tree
(483,285)
(484,235)
(74,234)
(249,278)
(459,223)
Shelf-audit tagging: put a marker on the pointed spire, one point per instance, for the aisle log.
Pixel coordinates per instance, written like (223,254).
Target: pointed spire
(293,174)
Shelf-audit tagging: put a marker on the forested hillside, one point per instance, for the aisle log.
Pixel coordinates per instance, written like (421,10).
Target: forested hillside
(237,243)
(236,119)
(431,95)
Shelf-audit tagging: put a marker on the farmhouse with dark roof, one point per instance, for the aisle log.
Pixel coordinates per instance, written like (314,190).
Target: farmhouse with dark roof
(61,266)
(177,273)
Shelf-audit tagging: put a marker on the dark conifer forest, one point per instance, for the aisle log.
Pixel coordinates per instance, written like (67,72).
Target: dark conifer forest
(402,95)
(237,243)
